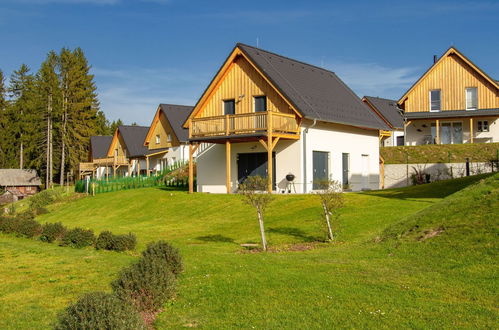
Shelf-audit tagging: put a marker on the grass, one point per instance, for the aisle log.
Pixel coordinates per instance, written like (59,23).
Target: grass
(441,153)
(443,282)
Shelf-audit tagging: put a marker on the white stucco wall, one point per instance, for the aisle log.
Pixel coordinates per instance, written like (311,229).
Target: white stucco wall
(418,129)
(334,139)
(392,140)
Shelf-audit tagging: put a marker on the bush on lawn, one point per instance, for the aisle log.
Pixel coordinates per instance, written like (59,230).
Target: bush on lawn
(99,310)
(164,251)
(52,232)
(39,201)
(109,241)
(78,237)
(147,284)
(8,224)
(28,228)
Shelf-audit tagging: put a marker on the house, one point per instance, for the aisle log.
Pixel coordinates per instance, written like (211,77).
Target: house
(392,115)
(454,101)
(130,155)
(19,183)
(166,139)
(261,106)
(98,165)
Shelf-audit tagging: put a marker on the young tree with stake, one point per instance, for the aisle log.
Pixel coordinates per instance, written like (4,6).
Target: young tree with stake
(331,198)
(254,190)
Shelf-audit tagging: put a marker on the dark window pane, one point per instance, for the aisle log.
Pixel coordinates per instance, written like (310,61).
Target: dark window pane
(229,107)
(260,103)
(435,100)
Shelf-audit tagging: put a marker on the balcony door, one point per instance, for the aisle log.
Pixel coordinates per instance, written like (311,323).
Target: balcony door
(320,167)
(450,132)
(252,164)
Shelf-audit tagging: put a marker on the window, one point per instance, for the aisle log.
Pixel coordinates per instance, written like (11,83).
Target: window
(158,139)
(229,107)
(260,103)
(169,138)
(471,98)
(483,125)
(450,133)
(435,100)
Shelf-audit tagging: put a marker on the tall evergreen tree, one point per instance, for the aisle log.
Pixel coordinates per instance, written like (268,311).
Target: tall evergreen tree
(3,120)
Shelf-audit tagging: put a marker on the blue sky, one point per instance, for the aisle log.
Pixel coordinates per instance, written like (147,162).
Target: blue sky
(144,52)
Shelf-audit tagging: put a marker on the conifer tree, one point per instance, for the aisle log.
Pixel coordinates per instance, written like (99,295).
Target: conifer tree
(3,121)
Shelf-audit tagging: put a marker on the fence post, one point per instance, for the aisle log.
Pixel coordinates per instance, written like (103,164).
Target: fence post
(467,167)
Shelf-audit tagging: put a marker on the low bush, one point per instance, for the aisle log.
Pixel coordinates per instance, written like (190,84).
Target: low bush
(52,232)
(28,228)
(43,198)
(99,310)
(78,237)
(147,284)
(166,252)
(109,241)
(8,224)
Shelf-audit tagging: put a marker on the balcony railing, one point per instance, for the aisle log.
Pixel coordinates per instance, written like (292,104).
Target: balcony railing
(245,123)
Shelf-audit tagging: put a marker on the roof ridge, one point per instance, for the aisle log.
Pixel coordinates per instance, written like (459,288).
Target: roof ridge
(133,126)
(177,105)
(380,98)
(288,58)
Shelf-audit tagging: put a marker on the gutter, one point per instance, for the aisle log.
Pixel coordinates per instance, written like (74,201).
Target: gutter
(305,132)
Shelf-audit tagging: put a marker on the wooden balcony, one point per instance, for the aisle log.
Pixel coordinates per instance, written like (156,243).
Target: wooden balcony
(278,124)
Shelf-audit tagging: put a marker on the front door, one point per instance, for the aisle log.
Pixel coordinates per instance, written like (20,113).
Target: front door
(321,168)
(346,168)
(252,164)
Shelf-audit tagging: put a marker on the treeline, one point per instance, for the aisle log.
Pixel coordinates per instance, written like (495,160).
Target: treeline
(47,117)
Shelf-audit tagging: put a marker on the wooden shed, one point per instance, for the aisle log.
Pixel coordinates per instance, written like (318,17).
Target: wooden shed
(20,183)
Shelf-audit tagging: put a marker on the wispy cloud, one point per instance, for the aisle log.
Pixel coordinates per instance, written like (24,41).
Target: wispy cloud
(133,94)
(374,79)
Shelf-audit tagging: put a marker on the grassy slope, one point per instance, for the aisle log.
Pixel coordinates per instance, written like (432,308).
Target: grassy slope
(353,283)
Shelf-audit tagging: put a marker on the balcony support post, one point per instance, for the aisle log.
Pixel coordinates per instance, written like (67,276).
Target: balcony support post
(437,130)
(192,150)
(471,130)
(227,167)
(270,147)
(147,165)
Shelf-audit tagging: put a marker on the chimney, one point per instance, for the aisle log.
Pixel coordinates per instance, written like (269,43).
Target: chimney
(435,57)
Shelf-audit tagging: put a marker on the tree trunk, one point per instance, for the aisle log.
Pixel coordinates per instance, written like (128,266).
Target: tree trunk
(262,229)
(51,156)
(63,151)
(21,165)
(49,111)
(328,222)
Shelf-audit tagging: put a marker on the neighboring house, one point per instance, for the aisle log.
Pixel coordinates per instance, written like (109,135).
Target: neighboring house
(131,156)
(453,102)
(98,165)
(167,139)
(392,115)
(19,183)
(263,106)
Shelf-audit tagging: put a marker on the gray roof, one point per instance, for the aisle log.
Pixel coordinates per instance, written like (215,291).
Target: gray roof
(389,110)
(315,92)
(134,137)
(177,115)
(100,146)
(451,114)
(16,177)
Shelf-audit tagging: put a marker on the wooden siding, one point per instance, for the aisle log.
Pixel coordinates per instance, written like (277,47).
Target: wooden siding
(240,79)
(162,128)
(120,146)
(452,76)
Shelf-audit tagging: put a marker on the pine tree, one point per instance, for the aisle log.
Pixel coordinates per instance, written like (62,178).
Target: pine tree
(20,114)
(3,121)
(114,125)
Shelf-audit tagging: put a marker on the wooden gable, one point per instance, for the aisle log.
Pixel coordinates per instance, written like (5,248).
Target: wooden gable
(117,143)
(162,127)
(239,79)
(451,74)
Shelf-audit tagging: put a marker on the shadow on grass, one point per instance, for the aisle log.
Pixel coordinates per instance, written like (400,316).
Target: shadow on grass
(216,238)
(439,189)
(168,188)
(295,232)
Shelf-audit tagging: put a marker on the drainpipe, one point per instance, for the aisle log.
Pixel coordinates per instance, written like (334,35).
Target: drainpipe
(305,132)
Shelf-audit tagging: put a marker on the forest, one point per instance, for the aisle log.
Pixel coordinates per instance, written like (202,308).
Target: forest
(48,116)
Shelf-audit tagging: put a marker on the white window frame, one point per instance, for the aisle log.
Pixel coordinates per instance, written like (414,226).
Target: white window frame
(429,98)
(169,137)
(158,139)
(466,98)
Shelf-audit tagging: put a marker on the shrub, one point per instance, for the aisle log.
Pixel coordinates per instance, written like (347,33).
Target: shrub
(8,224)
(78,237)
(147,285)
(52,232)
(99,310)
(43,198)
(109,241)
(164,251)
(28,227)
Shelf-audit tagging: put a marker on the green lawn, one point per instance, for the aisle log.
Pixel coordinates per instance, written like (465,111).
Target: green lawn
(443,282)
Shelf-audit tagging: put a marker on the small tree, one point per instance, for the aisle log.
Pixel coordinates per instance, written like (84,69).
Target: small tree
(331,198)
(254,190)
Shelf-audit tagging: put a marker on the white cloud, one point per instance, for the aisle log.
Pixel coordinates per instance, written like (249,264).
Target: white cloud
(134,94)
(375,80)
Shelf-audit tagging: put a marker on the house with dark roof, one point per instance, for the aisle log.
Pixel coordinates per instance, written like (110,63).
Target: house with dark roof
(392,115)
(167,140)
(292,122)
(130,155)
(98,164)
(453,102)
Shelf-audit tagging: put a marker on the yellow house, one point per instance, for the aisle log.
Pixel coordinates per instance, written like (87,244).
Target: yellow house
(292,122)
(454,101)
